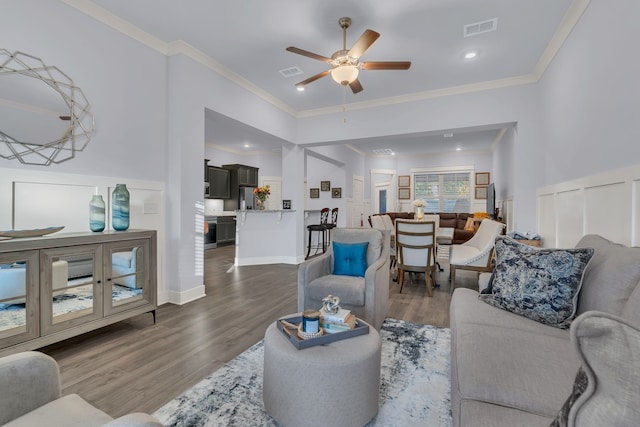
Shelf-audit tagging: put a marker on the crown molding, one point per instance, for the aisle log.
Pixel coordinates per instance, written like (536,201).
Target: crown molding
(569,21)
(125,27)
(419,96)
(181,47)
(355,150)
(573,14)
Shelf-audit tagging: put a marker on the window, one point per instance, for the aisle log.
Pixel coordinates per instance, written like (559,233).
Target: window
(444,191)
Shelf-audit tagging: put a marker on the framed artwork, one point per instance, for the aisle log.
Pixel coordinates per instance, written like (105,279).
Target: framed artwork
(336,193)
(481,192)
(404,180)
(404,193)
(483,178)
(314,193)
(325,185)
(286,204)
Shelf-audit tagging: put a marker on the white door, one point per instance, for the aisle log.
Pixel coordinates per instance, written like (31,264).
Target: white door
(357,217)
(274,202)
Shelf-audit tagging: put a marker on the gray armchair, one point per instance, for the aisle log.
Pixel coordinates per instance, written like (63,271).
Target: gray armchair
(30,396)
(367,297)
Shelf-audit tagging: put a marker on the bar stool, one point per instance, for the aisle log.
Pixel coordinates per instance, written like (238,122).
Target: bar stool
(324,219)
(322,228)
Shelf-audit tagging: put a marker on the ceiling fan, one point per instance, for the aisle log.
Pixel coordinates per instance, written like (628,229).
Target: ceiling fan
(345,63)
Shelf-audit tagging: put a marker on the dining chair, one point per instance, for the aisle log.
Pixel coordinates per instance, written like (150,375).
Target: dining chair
(415,250)
(476,254)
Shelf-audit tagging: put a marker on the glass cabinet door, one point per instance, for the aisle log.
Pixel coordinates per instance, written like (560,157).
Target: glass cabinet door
(19,310)
(127,275)
(70,286)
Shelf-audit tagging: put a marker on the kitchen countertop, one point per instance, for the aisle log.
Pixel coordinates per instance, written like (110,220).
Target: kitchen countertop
(217,214)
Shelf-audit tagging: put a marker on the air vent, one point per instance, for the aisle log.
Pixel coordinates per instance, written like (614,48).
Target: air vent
(383,151)
(290,72)
(480,27)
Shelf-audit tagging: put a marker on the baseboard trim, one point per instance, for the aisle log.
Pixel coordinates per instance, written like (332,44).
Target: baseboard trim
(185,297)
(267,260)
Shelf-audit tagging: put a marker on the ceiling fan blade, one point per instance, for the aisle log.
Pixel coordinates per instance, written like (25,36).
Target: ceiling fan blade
(386,65)
(363,43)
(313,78)
(308,54)
(355,86)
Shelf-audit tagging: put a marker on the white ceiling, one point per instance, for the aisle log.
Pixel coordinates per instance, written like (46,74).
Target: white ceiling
(248,38)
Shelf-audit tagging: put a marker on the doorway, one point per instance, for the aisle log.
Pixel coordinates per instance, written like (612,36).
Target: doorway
(382,200)
(383,193)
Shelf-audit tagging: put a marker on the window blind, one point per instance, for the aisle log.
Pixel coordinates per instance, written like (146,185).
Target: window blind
(444,192)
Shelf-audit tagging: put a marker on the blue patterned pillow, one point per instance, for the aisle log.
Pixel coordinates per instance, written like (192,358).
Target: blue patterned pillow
(350,259)
(540,284)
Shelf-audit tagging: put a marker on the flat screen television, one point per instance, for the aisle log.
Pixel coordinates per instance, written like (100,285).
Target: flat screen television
(491,200)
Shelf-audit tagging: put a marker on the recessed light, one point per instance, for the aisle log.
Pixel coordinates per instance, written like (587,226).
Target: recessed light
(300,89)
(470,55)
(458,148)
(246,145)
(448,135)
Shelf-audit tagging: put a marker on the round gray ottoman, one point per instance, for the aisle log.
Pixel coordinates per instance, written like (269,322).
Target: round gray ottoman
(333,384)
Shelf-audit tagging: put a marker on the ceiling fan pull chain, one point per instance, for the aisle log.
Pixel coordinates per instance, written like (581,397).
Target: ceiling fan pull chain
(344,104)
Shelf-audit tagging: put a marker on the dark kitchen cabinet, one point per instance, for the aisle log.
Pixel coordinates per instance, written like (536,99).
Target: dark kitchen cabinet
(226,230)
(247,176)
(242,176)
(219,183)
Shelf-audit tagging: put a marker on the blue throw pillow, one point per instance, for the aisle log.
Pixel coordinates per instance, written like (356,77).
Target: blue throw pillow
(350,259)
(540,284)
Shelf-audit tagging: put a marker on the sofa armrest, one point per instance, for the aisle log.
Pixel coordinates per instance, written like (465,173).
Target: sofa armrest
(28,380)
(310,270)
(137,419)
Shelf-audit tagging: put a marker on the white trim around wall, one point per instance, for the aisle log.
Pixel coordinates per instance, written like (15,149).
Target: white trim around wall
(606,204)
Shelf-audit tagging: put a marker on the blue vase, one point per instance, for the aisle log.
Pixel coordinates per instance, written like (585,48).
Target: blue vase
(120,208)
(96,214)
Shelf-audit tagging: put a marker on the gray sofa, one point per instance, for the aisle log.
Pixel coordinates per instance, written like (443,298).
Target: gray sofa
(507,370)
(30,396)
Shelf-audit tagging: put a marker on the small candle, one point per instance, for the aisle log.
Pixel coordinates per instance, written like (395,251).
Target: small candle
(311,321)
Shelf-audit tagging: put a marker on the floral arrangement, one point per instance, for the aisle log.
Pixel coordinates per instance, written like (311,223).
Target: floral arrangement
(262,193)
(418,203)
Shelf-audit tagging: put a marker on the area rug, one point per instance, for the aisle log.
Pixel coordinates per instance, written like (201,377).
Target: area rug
(414,389)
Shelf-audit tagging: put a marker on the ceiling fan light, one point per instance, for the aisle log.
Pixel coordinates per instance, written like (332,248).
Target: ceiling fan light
(345,74)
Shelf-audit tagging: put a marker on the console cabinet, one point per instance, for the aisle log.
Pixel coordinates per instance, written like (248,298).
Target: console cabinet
(58,286)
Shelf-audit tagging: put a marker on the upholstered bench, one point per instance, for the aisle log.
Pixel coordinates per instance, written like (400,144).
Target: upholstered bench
(322,385)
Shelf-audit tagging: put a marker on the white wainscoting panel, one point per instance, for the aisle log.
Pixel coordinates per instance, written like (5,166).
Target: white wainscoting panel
(569,218)
(606,204)
(39,198)
(635,225)
(41,205)
(546,213)
(607,211)
(506,213)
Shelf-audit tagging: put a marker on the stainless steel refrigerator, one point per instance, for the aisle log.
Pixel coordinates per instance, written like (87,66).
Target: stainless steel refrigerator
(246,199)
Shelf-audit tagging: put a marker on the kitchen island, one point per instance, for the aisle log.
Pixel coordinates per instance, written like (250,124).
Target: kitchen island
(265,237)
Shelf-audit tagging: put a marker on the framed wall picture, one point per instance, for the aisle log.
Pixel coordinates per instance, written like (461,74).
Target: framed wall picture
(336,193)
(286,204)
(404,193)
(483,178)
(481,192)
(314,193)
(404,180)
(325,185)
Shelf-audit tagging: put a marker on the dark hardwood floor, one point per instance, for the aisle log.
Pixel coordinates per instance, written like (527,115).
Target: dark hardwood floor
(135,365)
